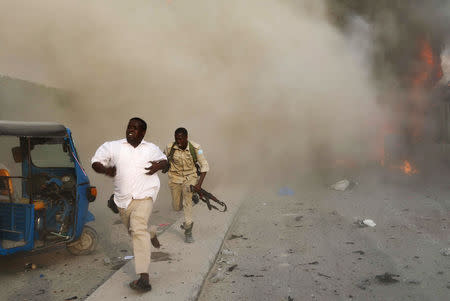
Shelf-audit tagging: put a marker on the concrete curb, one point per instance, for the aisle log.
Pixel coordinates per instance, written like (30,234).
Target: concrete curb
(182,277)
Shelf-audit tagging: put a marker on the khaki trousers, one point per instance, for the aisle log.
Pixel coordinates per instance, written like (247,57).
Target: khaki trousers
(135,218)
(182,197)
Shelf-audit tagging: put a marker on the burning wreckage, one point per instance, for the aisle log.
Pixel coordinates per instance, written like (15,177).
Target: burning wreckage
(415,127)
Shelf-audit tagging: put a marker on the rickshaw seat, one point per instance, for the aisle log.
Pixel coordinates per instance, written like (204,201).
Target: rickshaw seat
(6,187)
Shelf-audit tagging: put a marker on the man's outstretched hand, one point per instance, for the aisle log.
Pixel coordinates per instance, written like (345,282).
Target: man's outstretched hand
(156,165)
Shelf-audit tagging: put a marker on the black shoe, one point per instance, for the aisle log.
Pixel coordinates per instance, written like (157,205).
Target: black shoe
(138,285)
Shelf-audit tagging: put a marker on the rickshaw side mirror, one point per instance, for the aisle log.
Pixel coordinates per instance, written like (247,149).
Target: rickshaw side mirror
(17,154)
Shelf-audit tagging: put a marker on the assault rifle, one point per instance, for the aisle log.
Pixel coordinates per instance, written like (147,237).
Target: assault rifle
(206,197)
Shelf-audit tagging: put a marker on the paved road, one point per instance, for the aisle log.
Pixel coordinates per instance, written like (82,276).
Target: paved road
(307,246)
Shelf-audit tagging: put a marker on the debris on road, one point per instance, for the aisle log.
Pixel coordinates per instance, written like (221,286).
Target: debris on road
(387,278)
(228,252)
(415,282)
(30,266)
(359,252)
(234,236)
(231,268)
(362,223)
(117,262)
(445,252)
(285,191)
(369,223)
(323,275)
(341,185)
(219,275)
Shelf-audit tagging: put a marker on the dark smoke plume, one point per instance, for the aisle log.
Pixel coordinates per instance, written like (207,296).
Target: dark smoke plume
(399,27)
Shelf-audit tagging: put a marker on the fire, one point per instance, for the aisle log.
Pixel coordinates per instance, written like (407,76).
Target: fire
(430,71)
(408,169)
(408,117)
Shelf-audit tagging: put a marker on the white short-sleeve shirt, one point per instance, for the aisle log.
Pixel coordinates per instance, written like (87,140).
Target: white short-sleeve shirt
(131,181)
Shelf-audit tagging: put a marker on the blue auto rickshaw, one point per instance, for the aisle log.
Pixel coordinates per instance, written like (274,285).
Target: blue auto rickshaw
(44,190)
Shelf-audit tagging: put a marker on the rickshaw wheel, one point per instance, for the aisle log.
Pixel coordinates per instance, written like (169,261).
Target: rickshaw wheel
(86,244)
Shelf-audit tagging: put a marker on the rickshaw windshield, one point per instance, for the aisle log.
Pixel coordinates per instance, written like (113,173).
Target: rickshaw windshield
(50,152)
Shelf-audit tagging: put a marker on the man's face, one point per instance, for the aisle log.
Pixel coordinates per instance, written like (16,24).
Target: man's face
(134,133)
(181,140)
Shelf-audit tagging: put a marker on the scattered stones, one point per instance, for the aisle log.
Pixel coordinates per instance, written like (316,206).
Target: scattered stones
(231,268)
(314,262)
(251,275)
(71,298)
(298,218)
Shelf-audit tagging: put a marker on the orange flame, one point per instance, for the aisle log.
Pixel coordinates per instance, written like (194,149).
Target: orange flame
(408,169)
(427,73)
(431,71)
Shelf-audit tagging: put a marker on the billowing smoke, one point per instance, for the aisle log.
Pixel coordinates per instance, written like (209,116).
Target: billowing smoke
(270,88)
(399,27)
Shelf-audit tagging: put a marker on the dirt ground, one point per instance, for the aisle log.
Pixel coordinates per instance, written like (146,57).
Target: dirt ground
(309,245)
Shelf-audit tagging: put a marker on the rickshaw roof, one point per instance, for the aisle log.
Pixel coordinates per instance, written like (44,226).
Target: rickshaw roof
(32,129)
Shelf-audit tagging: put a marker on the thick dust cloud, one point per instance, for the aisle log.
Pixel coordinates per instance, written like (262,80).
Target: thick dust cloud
(269,88)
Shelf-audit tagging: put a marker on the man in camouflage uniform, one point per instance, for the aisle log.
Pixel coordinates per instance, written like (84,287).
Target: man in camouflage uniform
(183,156)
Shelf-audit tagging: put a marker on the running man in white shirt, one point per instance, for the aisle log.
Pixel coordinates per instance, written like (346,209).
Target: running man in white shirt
(133,163)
